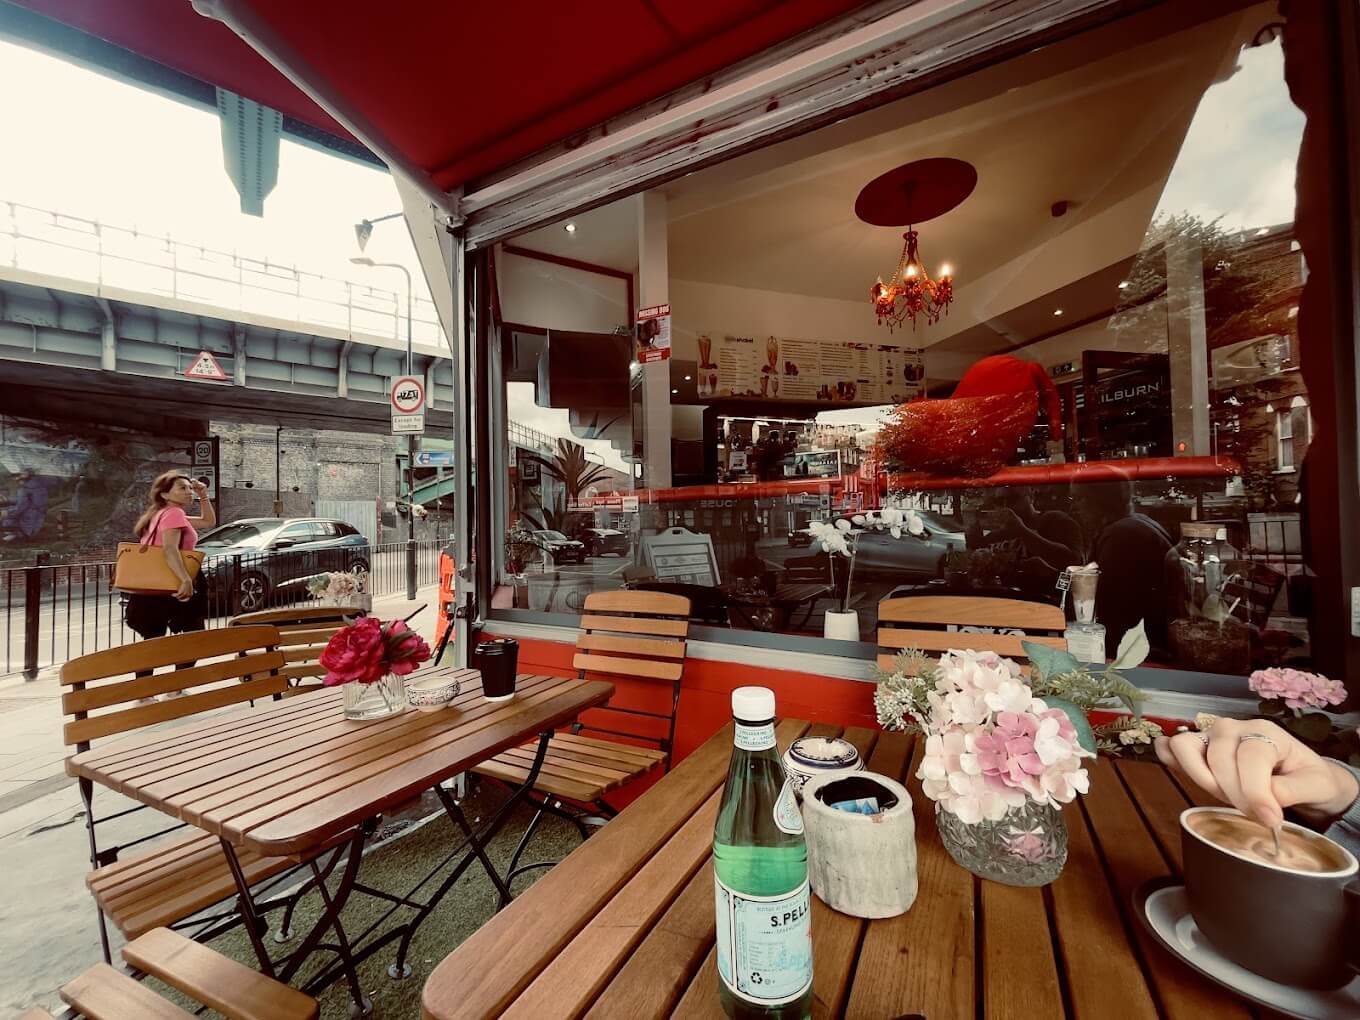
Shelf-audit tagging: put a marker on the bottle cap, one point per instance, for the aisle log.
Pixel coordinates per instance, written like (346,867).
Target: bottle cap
(753,704)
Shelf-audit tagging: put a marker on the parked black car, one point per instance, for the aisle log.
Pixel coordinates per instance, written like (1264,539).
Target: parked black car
(251,561)
(599,541)
(561,548)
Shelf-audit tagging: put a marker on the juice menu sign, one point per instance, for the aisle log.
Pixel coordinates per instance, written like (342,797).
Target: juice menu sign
(783,368)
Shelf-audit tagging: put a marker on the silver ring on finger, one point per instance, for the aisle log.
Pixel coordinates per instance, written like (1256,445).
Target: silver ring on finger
(1259,736)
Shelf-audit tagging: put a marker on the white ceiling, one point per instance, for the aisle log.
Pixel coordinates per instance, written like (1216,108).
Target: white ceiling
(1097,121)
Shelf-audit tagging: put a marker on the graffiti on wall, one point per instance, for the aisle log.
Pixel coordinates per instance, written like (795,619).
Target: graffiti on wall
(74,490)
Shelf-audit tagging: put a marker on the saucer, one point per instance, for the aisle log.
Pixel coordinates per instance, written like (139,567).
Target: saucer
(1164,910)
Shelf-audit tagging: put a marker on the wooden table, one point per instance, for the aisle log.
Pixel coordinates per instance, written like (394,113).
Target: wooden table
(294,778)
(624,927)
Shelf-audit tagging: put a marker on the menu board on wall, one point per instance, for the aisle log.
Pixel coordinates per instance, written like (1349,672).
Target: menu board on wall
(781,368)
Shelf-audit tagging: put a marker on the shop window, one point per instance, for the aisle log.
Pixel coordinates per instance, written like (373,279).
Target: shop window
(1284,438)
(1104,367)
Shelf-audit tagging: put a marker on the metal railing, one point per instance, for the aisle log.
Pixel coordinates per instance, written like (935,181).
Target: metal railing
(75,248)
(56,612)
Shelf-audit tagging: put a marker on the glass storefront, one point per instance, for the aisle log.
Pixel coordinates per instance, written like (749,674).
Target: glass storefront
(1092,356)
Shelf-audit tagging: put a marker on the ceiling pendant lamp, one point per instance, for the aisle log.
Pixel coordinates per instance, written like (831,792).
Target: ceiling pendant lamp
(912,292)
(905,196)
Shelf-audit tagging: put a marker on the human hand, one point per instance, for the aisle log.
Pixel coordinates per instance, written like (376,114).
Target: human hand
(185,591)
(200,490)
(1261,769)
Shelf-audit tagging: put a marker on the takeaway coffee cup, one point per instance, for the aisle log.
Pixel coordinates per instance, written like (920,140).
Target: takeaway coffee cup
(497,659)
(1293,919)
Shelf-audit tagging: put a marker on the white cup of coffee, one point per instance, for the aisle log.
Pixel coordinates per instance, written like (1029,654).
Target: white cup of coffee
(1292,917)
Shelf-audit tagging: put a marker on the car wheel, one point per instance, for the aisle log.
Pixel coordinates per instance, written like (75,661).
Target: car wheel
(252,593)
(359,568)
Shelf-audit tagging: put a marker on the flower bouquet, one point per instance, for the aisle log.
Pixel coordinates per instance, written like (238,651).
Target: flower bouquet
(370,658)
(336,588)
(841,538)
(1003,754)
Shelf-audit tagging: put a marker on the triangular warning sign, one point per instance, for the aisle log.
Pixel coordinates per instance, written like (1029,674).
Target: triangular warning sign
(205,366)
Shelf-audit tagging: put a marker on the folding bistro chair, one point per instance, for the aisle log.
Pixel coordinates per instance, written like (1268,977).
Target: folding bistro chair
(923,621)
(303,632)
(169,883)
(232,989)
(624,634)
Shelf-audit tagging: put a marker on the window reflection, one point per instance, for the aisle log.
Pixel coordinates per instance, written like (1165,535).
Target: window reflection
(1117,370)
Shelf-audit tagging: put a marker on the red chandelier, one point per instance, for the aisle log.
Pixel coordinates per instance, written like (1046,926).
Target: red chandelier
(910,291)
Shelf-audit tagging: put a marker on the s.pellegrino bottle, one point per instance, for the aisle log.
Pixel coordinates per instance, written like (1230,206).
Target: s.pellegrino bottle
(760,878)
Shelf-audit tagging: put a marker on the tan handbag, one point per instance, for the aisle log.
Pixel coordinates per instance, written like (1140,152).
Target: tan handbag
(140,567)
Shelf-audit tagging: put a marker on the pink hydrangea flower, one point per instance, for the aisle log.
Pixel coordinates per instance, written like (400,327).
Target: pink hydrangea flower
(1296,688)
(1007,752)
(1028,846)
(991,745)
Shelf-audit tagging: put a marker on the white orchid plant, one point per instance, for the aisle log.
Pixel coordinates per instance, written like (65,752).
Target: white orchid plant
(841,537)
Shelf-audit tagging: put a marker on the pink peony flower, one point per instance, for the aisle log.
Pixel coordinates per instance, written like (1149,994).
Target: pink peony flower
(355,653)
(1296,688)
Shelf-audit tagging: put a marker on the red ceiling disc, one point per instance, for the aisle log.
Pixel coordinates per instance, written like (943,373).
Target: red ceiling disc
(916,192)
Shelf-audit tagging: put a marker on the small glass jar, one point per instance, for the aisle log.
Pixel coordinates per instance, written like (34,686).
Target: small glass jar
(1206,631)
(376,700)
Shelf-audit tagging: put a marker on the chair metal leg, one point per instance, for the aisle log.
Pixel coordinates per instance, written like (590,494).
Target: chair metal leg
(523,844)
(87,798)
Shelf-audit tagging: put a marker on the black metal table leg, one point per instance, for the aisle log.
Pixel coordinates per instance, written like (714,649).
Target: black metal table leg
(477,850)
(249,916)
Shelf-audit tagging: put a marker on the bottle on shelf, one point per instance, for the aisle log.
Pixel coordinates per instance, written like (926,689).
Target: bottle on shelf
(760,879)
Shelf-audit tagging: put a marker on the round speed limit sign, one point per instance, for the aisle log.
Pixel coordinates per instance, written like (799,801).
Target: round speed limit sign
(408,394)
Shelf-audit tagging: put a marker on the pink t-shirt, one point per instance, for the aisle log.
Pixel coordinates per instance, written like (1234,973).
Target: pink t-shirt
(170,518)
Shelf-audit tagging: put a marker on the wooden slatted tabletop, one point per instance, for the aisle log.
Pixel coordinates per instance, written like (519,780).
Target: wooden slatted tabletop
(624,926)
(285,778)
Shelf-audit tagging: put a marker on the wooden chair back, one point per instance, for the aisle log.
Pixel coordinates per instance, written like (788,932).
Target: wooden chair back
(636,635)
(106,682)
(303,634)
(921,622)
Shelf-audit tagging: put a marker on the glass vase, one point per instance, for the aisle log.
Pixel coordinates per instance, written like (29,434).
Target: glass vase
(374,701)
(1027,846)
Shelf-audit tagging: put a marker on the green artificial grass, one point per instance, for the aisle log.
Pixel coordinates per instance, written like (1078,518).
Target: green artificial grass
(396,864)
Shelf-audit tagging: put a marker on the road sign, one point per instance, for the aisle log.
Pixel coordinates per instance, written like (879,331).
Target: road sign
(205,367)
(434,458)
(203,452)
(408,405)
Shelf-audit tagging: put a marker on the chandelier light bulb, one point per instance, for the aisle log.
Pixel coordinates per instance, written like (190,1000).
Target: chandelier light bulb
(916,294)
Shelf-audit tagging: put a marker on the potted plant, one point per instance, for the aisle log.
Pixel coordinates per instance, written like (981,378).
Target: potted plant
(842,539)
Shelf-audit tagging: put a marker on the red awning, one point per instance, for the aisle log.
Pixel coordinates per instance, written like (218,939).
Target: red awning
(461,89)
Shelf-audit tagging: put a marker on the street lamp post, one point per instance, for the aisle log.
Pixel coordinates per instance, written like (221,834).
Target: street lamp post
(363,260)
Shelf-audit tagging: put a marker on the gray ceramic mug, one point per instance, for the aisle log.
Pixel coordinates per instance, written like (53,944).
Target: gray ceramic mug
(1300,928)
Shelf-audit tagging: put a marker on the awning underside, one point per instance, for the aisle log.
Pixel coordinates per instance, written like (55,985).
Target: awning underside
(460,90)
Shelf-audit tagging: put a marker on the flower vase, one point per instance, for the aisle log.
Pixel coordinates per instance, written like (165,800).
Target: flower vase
(1027,846)
(376,700)
(841,626)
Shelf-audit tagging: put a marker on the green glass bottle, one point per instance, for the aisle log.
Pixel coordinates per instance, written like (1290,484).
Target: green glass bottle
(760,876)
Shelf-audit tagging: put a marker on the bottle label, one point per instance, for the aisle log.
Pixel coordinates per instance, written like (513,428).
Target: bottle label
(754,738)
(764,944)
(787,817)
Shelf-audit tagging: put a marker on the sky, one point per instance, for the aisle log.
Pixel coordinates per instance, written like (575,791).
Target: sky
(100,148)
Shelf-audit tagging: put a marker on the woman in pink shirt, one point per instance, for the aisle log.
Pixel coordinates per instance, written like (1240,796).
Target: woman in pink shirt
(172,529)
